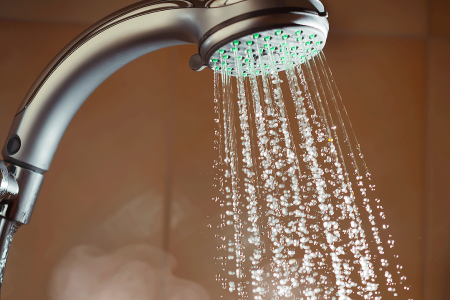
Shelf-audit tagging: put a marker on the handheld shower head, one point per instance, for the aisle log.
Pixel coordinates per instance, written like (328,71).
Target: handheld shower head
(105,47)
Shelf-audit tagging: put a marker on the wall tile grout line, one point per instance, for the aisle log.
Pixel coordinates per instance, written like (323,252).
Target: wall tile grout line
(427,203)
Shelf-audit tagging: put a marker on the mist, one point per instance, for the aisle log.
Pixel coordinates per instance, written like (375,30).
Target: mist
(132,272)
(118,260)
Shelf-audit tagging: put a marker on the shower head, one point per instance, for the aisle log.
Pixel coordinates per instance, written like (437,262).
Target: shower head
(266,49)
(264,36)
(250,31)
(220,28)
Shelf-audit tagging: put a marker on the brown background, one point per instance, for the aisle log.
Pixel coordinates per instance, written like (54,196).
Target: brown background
(135,164)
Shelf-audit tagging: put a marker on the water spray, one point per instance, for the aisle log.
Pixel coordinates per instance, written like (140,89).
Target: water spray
(298,219)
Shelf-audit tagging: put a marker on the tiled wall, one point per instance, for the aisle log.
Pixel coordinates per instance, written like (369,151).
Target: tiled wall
(135,164)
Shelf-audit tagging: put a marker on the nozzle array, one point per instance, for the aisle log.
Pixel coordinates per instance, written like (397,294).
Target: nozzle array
(268,51)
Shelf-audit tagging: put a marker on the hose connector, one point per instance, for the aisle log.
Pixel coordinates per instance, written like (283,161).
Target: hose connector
(9,189)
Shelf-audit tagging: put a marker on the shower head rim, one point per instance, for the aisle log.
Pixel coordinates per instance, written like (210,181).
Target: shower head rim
(260,13)
(248,27)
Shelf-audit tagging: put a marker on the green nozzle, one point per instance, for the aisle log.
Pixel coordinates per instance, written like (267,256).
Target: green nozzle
(236,43)
(278,32)
(285,37)
(250,43)
(312,36)
(256,36)
(226,56)
(235,49)
(221,51)
(267,38)
(215,60)
(298,32)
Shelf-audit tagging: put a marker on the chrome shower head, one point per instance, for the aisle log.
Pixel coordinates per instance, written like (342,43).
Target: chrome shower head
(262,37)
(270,48)
(250,31)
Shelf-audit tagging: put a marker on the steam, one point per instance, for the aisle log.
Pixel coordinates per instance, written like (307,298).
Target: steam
(135,271)
(138,272)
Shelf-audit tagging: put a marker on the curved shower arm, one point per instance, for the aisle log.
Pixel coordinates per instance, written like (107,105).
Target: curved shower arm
(77,71)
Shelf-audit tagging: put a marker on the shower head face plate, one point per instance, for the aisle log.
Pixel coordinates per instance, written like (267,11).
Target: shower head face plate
(267,50)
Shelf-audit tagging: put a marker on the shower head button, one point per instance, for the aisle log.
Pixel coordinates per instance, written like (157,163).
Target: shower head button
(13,145)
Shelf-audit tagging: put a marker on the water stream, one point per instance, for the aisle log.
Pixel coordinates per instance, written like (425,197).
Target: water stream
(298,216)
(7,229)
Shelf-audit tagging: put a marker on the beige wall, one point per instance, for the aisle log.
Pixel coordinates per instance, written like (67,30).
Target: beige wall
(135,164)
